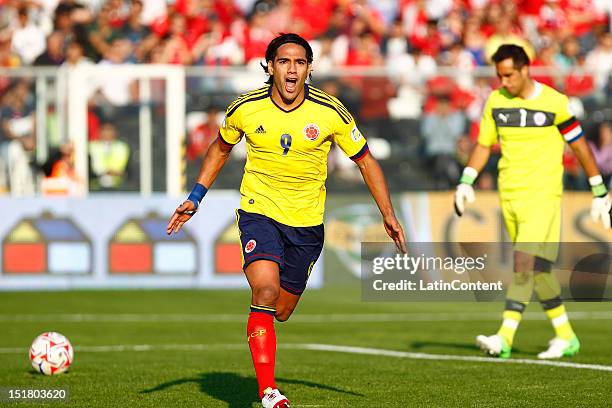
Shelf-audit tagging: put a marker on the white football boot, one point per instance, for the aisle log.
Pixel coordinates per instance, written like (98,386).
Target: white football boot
(559,347)
(494,345)
(274,399)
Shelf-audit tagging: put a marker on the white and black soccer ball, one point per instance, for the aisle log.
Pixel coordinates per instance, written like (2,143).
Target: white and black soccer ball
(51,353)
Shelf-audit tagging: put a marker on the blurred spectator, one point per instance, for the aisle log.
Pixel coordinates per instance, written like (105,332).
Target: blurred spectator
(395,42)
(200,138)
(314,16)
(28,39)
(451,29)
(462,62)
(117,90)
(68,14)
(137,33)
(474,41)
(100,35)
(573,178)
(600,60)
(258,34)
(506,33)
(8,58)
(176,47)
(602,150)
(59,173)
(415,17)
(75,56)
(431,42)
(553,16)
(323,59)
(464,148)
(441,130)
(54,54)
(581,14)
(579,82)
(154,10)
(544,68)
(216,48)
(364,51)
(568,55)
(280,18)
(109,159)
(17,139)
(485,181)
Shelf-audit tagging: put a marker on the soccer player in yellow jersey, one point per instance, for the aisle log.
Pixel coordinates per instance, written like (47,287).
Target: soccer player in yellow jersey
(532,122)
(289,128)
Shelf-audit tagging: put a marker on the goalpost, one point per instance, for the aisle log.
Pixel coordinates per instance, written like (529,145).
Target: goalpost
(79,82)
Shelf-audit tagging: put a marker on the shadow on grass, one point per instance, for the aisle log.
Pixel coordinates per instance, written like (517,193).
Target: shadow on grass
(422,345)
(236,390)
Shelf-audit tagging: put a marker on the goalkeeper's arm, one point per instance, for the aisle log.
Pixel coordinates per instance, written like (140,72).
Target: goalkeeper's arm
(601,206)
(465,192)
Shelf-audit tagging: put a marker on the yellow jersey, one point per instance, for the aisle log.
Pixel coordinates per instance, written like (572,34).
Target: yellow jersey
(532,133)
(286,167)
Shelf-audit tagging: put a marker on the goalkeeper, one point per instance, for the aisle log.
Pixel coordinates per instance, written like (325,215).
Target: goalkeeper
(532,122)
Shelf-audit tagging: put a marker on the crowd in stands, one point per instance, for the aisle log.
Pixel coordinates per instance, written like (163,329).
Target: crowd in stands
(430,50)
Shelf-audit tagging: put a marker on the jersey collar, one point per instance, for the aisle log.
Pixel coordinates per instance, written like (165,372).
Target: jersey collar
(537,90)
(306,90)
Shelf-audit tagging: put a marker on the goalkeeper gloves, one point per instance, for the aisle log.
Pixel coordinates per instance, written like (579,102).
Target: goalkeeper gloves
(465,191)
(601,206)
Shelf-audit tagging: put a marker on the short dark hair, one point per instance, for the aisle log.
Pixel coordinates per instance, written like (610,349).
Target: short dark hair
(516,52)
(281,40)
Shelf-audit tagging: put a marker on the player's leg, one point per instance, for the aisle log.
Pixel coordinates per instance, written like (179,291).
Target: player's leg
(285,305)
(517,297)
(548,289)
(518,294)
(303,247)
(263,277)
(262,253)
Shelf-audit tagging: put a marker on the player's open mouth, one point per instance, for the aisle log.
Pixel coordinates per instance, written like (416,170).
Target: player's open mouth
(290,84)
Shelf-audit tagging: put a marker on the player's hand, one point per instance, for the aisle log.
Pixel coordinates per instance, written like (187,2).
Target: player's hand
(396,232)
(600,210)
(464,192)
(181,215)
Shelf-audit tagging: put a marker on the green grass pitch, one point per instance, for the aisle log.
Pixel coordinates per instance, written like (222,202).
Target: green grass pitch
(188,349)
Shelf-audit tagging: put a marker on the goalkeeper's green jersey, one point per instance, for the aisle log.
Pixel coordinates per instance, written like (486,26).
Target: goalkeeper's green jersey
(532,133)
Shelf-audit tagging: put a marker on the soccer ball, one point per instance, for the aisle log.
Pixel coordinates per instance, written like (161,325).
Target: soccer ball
(51,353)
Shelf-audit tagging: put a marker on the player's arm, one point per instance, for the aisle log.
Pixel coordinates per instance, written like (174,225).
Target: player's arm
(214,160)
(465,192)
(479,157)
(602,204)
(375,180)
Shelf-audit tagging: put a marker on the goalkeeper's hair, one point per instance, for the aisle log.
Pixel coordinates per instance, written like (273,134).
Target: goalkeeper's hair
(516,52)
(275,45)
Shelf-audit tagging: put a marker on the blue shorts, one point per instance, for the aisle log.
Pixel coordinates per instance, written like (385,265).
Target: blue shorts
(295,249)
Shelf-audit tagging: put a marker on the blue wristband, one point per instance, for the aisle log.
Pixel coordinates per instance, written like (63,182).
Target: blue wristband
(197,194)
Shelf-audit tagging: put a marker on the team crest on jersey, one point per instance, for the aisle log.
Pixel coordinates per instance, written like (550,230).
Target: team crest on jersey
(356,134)
(539,118)
(311,131)
(250,246)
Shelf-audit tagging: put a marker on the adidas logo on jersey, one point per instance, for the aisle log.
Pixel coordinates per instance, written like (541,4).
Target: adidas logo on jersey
(260,129)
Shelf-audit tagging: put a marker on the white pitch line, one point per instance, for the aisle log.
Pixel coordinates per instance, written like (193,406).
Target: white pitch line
(299,318)
(444,357)
(324,347)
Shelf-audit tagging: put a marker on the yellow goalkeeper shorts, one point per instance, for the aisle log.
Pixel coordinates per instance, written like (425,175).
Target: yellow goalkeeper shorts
(534,225)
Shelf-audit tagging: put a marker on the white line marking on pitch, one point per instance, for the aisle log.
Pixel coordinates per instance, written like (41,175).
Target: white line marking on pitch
(302,318)
(443,357)
(324,347)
